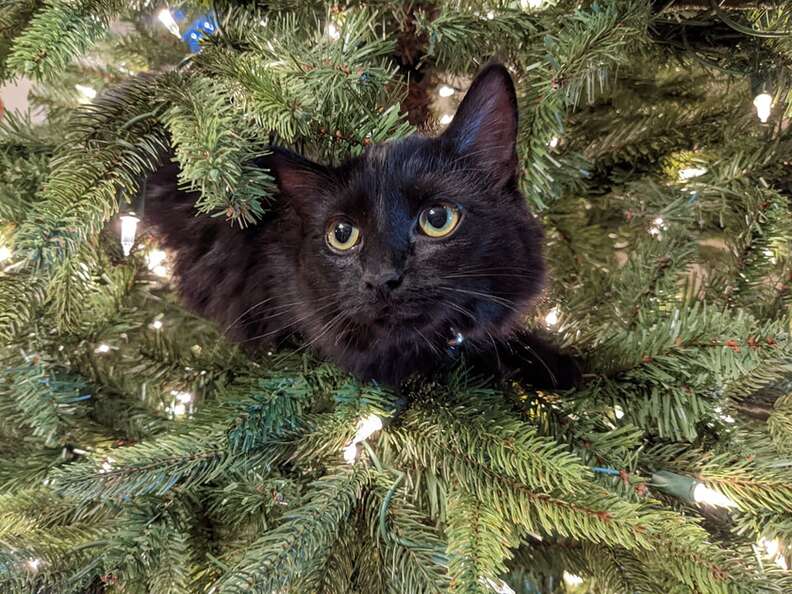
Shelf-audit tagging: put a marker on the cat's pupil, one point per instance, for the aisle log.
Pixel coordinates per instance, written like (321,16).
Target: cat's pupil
(343,232)
(437,217)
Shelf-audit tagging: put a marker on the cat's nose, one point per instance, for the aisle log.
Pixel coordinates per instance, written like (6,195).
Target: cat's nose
(382,280)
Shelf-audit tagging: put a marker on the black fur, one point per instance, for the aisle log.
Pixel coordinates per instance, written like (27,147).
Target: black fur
(389,307)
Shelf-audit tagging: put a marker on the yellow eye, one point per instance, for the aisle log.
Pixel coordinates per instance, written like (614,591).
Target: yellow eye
(439,220)
(342,236)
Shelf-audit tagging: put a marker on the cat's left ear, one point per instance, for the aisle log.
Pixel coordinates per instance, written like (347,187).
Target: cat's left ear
(485,125)
(299,180)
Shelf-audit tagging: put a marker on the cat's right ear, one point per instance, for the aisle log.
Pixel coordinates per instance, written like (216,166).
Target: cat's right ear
(485,125)
(299,180)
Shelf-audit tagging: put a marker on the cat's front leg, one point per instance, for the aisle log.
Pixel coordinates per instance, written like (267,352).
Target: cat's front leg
(528,359)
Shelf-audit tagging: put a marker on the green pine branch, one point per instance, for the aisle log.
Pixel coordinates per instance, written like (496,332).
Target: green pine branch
(51,404)
(479,539)
(490,437)
(216,154)
(270,563)
(60,32)
(410,546)
(779,424)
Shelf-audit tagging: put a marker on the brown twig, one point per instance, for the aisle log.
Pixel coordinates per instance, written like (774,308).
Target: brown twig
(691,5)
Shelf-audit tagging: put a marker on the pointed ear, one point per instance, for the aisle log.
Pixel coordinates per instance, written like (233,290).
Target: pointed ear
(485,125)
(299,180)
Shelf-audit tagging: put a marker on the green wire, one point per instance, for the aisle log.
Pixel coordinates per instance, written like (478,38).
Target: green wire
(745,30)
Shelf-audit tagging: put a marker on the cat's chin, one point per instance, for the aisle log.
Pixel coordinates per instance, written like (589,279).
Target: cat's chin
(387,325)
(389,349)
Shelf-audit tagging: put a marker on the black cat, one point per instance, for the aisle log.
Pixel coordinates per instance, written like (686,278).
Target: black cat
(393,263)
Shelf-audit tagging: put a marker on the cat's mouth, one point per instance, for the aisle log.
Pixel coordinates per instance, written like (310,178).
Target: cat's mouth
(388,320)
(393,317)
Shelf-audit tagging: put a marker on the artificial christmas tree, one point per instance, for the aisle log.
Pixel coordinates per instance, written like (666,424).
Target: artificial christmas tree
(143,452)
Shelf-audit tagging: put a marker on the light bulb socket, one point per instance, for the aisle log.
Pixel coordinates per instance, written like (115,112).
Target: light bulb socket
(677,485)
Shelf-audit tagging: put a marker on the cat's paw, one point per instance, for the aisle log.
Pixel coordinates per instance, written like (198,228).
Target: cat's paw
(567,373)
(529,360)
(549,370)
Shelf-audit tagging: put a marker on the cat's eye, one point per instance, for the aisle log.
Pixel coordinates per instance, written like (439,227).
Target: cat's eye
(342,236)
(439,220)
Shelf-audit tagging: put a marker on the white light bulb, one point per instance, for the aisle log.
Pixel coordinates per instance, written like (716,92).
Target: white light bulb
(657,227)
(773,550)
(553,142)
(129,225)
(771,546)
(34,564)
(618,411)
(551,319)
(703,494)
(5,253)
(107,465)
(445,91)
(572,580)
(691,172)
(490,15)
(156,324)
(183,397)
(531,3)
(498,586)
(365,429)
(178,409)
(86,93)
(350,453)
(763,103)
(154,258)
(166,18)
(446,119)
(102,348)
(332,31)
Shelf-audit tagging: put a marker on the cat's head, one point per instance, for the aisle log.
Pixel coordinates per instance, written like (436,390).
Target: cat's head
(418,239)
